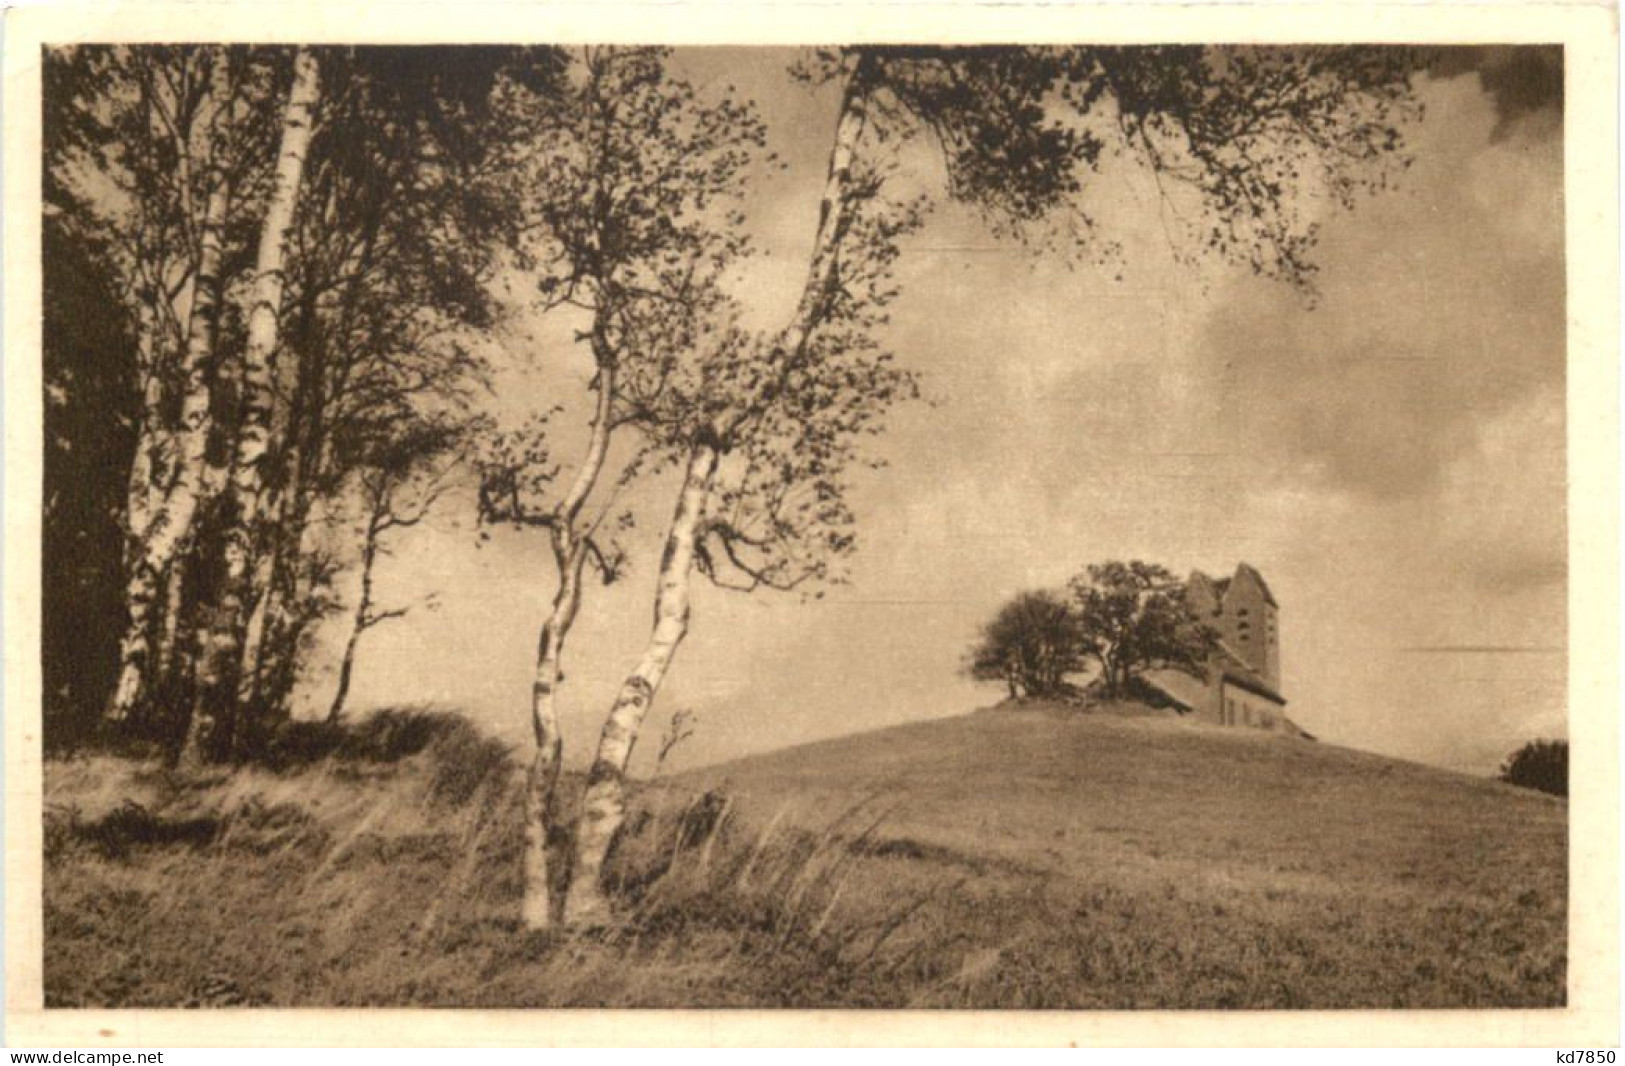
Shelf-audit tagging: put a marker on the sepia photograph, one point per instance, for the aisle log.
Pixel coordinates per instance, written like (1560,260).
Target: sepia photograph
(844,525)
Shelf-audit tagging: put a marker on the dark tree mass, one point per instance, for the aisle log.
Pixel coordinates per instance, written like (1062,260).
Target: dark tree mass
(1541,765)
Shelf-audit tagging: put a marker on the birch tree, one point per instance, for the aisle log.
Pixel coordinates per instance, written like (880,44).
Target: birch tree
(405,477)
(390,262)
(1019,129)
(89,423)
(246,487)
(770,426)
(163,159)
(155,150)
(629,187)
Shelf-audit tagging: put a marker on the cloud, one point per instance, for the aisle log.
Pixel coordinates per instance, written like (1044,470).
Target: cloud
(1443,307)
(1502,504)
(1525,82)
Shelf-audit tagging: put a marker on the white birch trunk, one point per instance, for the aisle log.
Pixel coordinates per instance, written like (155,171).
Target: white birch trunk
(169,633)
(247,477)
(541,782)
(569,557)
(603,808)
(259,357)
(254,627)
(266,607)
(835,205)
(170,525)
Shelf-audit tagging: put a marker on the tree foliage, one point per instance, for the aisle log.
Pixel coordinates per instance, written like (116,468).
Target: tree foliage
(1133,616)
(1259,137)
(627,190)
(402,478)
(1122,617)
(89,442)
(987,110)
(395,244)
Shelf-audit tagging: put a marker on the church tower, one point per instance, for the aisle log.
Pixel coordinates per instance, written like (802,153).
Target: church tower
(1243,610)
(1250,623)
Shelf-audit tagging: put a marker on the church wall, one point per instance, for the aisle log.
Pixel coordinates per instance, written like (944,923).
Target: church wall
(1239,707)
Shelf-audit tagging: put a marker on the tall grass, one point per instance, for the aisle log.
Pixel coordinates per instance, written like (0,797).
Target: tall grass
(378,865)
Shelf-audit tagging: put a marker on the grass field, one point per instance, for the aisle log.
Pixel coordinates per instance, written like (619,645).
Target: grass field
(1008,858)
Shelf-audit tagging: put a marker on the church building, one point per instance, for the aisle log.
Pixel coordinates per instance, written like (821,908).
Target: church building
(1243,686)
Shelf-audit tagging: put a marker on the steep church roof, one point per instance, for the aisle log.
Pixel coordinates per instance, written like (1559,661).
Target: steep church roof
(1221,585)
(1238,672)
(1244,568)
(1203,594)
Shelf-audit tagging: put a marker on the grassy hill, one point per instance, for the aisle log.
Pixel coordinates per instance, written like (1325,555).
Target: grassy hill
(1023,857)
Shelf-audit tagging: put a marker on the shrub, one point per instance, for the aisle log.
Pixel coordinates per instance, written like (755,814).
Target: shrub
(1030,645)
(1539,764)
(385,736)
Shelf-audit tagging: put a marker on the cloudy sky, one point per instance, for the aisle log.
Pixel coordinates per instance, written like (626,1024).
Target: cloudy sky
(1390,457)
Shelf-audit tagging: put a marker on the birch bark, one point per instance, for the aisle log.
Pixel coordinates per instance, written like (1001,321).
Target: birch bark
(835,205)
(603,808)
(247,479)
(541,782)
(269,647)
(569,544)
(169,525)
(169,631)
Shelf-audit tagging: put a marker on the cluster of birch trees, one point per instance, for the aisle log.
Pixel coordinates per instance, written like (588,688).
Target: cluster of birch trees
(294,246)
(291,240)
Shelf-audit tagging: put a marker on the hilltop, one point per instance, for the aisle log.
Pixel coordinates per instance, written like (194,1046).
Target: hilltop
(1157,796)
(1012,857)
